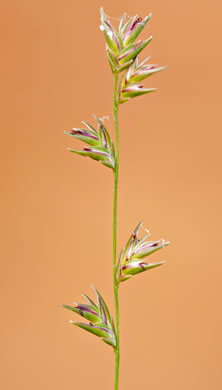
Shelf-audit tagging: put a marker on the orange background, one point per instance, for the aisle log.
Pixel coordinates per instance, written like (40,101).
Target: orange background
(56,209)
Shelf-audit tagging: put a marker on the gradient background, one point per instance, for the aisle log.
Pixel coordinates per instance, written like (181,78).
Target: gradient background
(56,208)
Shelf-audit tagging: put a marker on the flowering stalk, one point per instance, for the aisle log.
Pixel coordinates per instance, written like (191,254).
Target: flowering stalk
(122,52)
(115,281)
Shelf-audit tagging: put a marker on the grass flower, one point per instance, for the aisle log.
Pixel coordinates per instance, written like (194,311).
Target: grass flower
(121,46)
(100,145)
(100,322)
(130,86)
(131,258)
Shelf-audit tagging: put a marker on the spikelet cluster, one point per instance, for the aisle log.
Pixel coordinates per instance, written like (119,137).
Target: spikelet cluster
(132,256)
(100,321)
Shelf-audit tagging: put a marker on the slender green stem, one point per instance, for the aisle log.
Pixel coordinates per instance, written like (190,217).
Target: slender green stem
(115,284)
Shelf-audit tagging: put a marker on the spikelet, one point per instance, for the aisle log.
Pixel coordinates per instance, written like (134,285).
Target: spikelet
(131,258)
(100,322)
(121,45)
(100,145)
(130,86)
